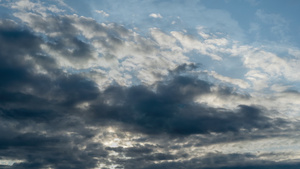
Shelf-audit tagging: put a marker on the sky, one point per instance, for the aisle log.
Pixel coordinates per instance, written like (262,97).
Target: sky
(109,84)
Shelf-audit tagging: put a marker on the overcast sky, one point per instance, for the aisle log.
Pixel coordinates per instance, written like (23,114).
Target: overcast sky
(110,84)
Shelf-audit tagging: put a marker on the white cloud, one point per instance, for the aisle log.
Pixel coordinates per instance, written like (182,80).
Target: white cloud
(279,88)
(239,82)
(218,42)
(155,15)
(190,43)
(258,79)
(102,13)
(36,7)
(121,55)
(26,5)
(264,66)
(202,33)
(218,101)
(272,64)
(164,40)
(147,59)
(113,47)
(294,52)
(9,162)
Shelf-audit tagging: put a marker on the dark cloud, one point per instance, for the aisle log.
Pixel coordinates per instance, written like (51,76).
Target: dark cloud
(53,149)
(140,156)
(37,109)
(62,37)
(171,109)
(73,49)
(220,161)
(184,68)
(43,126)
(209,161)
(68,35)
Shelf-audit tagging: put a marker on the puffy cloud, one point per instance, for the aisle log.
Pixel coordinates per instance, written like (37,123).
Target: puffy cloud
(155,15)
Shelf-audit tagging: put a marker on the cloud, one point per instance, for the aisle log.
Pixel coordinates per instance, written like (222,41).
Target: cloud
(102,13)
(155,15)
(31,103)
(216,161)
(190,43)
(172,109)
(104,46)
(238,82)
(42,110)
(264,65)
(37,7)
(75,93)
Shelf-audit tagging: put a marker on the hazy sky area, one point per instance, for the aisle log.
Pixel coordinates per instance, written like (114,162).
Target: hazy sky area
(149,84)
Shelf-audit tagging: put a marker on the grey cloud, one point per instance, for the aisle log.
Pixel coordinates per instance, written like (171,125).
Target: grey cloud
(35,122)
(61,36)
(42,125)
(222,161)
(49,149)
(81,40)
(140,156)
(171,109)
(184,68)
(73,48)
(50,25)
(76,38)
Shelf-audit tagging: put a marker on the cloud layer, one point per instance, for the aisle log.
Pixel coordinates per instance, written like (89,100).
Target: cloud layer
(76,93)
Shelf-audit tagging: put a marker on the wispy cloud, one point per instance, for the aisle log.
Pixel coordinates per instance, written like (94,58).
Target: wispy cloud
(102,13)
